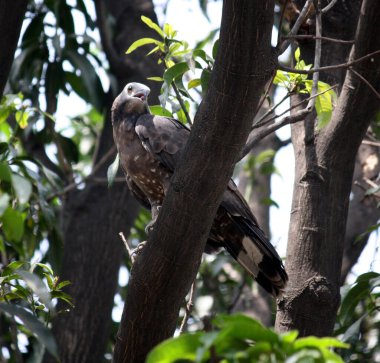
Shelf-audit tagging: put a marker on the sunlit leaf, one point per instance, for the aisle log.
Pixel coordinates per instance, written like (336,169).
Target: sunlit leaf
(112,170)
(175,71)
(156,79)
(151,24)
(22,187)
(160,111)
(194,83)
(143,41)
(182,348)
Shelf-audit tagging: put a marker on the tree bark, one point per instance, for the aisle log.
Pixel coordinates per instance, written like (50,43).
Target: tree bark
(363,212)
(325,162)
(93,217)
(12,14)
(163,273)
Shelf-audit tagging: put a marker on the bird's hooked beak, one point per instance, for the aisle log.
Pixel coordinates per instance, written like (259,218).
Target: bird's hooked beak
(142,94)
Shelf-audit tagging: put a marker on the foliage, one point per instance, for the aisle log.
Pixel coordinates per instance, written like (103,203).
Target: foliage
(299,83)
(239,338)
(358,321)
(179,61)
(27,217)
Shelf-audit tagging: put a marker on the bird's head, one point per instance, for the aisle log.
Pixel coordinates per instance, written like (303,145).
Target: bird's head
(133,99)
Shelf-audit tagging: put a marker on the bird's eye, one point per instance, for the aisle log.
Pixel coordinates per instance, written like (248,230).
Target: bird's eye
(129,89)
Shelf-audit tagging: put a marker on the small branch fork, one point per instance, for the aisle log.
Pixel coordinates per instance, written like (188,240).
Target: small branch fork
(188,308)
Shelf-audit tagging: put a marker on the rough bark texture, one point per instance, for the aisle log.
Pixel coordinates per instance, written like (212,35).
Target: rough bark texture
(11,17)
(324,168)
(363,212)
(163,273)
(93,217)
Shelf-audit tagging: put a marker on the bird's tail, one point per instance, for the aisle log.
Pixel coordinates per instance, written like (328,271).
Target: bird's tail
(256,254)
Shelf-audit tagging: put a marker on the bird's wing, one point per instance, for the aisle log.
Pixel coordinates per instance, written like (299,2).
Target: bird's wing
(137,192)
(163,137)
(253,251)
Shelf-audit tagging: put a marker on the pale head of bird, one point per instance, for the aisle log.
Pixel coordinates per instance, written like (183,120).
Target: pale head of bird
(132,99)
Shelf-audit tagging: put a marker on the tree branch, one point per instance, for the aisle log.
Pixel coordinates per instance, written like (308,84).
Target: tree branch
(314,37)
(317,53)
(300,20)
(377,94)
(328,68)
(169,262)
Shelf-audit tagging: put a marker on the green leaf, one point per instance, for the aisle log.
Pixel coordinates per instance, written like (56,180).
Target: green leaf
(22,188)
(22,118)
(5,172)
(112,170)
(314,342)
(160,111)
(243,327)
(194,83)
(175,71)
(297,54)
(43,334)
(156,79)
(37,286)
(13,225)
(151,24)
(4,113)
(205,79)
(45,267)
(4,203)
(143,41)
(14,265)
(182,348)
(4,147)
(88,76)
(281,78)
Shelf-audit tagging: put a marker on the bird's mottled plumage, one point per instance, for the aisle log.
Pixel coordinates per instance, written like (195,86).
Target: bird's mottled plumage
(149,148)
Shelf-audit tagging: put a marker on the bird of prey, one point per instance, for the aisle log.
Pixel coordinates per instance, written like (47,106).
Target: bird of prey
(149,148)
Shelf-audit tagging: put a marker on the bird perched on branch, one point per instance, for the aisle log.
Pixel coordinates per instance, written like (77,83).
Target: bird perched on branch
(149,149)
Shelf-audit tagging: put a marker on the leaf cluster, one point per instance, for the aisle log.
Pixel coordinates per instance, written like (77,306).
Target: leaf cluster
(238,338)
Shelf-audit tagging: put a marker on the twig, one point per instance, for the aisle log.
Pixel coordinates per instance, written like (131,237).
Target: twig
(372,143)
(329,6)
(237,296)
(120,64)
(182,104)
(188,308)
(366,82)
(265,94)
(129,250)
(280,22)
(328,68)
(313,37)
(262,123)
(371,183)
(264,132)
(317,53)
(301,18)
(271,110)
(73,185)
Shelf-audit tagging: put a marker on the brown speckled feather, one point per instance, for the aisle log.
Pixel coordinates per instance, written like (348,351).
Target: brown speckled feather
(150,149)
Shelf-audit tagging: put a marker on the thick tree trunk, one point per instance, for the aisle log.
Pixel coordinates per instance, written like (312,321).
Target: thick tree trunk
(324,168)
(163,273)
(93,217)
(12,14)
(363,212)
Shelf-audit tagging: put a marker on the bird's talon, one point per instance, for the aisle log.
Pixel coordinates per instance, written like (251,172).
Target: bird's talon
(138,249)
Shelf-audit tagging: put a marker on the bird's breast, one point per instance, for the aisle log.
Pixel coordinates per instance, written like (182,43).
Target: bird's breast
(141,166)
